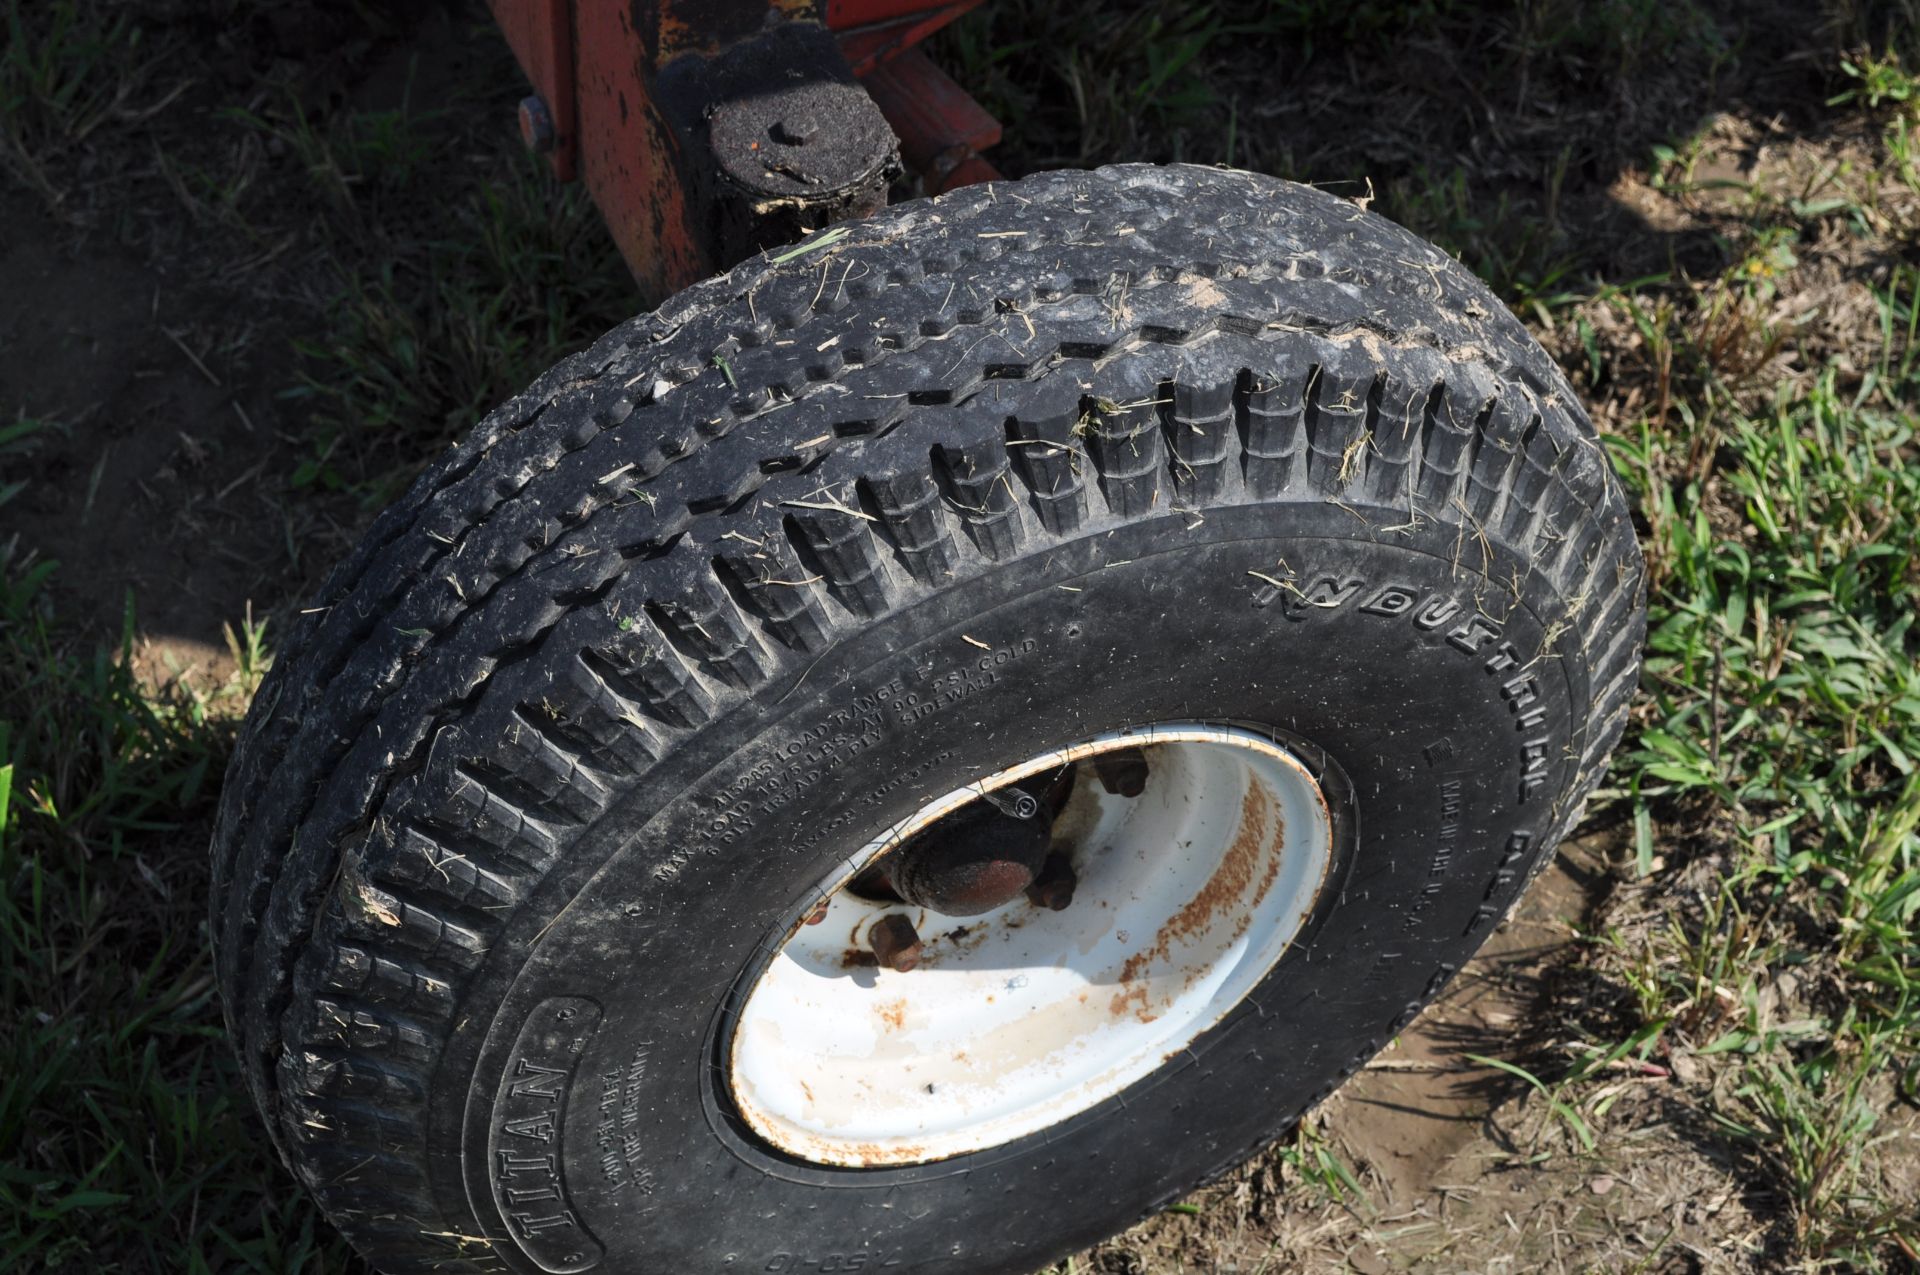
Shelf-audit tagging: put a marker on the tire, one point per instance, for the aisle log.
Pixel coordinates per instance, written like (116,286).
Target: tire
(577,732)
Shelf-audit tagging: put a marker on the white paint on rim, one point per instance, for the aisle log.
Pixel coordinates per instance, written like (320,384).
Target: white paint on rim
(1019,1019)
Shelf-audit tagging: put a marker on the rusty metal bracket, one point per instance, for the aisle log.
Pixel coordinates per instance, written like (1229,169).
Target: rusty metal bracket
(794,142)
(708,129)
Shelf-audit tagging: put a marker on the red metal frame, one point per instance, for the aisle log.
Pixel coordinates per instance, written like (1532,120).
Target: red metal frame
(871,31)
(596,64)
(941,129)
(629,153)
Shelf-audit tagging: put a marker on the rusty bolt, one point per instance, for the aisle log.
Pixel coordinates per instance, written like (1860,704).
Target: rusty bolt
(794,130)
(819,912)
(896,944)
(1053,888)
(1122,772)
(536,125)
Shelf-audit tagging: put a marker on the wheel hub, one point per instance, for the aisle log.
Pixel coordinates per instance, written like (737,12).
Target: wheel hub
(979,858)
(976,976)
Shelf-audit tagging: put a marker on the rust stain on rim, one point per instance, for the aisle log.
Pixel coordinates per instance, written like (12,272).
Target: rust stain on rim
(1254,845)
(967,1052)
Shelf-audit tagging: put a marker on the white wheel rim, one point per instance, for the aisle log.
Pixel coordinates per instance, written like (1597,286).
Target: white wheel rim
(1016,1020)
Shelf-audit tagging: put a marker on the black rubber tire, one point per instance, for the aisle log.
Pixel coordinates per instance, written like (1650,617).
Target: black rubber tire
(592,709)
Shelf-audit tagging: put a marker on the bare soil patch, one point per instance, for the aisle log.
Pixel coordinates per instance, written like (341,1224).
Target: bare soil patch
(156,487)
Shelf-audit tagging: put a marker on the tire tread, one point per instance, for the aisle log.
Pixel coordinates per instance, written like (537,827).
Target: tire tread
(587,580)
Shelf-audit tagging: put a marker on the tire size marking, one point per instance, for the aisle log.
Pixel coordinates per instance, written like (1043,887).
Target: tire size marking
(528,1126)
(1446,843)
(1473,634)
(941,689)
(775,782)
(851,814)
(865,1259)
(616,1136)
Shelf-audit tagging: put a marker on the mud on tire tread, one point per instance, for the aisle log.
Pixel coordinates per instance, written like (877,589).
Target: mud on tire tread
(716,493)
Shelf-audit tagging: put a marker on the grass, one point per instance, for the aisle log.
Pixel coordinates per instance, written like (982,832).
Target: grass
(1816,1124)
(441,298)
(1781,731)
(126,1139)
(425,290)
(439,267)
(63,71)
(1755,371)
(1772,780)
(422,340)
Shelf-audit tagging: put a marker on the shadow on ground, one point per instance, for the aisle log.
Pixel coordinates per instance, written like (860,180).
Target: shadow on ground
(157,333)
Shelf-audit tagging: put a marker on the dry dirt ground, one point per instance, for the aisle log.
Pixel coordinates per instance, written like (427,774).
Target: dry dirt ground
(159,339)
(160,486)
(1458,1172)
(156,283)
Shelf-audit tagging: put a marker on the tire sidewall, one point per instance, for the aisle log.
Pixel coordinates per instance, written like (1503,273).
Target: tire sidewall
(1458,734)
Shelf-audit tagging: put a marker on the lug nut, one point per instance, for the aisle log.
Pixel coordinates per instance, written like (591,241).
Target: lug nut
(896,944)
(1122,772)
(1053,888)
